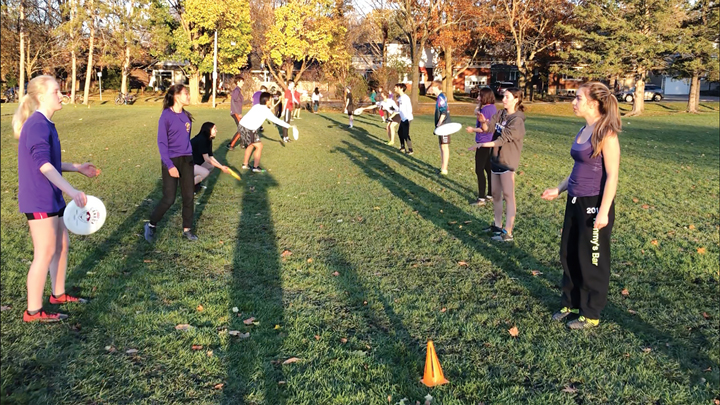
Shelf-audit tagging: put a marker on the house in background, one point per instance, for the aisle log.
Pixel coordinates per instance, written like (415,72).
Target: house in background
(165,74)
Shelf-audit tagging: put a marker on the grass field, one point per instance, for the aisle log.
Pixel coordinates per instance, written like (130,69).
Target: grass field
(351,256)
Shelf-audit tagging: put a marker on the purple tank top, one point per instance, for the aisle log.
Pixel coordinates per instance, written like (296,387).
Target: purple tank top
(588,174)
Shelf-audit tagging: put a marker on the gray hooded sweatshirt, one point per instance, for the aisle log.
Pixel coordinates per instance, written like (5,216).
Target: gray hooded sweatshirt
(508,137)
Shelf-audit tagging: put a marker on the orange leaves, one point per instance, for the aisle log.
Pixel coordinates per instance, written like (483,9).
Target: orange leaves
(536,273)
(286,253)
(249,321)
(645,206)
(625,292)
(654,242)
(702,250)
(291,360)
(514,332)
(336,273)
(200,308)
(183,326)
(196,347)
(462,263)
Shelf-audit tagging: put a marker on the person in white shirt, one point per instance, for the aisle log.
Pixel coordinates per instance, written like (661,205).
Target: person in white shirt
(316,100)
(249,125)
(406,115)
(393,118)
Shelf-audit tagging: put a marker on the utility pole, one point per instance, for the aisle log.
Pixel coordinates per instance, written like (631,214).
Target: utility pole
(215,69)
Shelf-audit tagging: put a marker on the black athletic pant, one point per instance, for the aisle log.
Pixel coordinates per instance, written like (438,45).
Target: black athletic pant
(585,256)
(482,170)
(287,114)
(404,133)
(186,168)
(237,131)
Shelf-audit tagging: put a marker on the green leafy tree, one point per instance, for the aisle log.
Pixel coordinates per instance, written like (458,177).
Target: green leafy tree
(632,37)
(190,38)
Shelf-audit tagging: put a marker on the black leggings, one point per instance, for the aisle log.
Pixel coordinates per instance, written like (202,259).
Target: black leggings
(482,170)
(186,168)
(404,133)
(585,256)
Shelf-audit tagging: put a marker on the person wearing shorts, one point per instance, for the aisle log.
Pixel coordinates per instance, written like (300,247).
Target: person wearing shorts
(349,106)
(393,123)
(202,151)
(507,143)
(249,130)
(442,116)
(590,207)
(40,195)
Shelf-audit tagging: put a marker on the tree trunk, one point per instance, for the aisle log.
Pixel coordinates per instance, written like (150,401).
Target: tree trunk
(73,55)
(90,67)
(448,79)
(195,88)
(693,99)
(415,90)
(21,80)
(125,71)
(697,92)
(639,96)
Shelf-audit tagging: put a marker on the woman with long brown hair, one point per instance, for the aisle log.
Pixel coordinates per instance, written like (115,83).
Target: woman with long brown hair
(590,208)
(173,139)
(40,194)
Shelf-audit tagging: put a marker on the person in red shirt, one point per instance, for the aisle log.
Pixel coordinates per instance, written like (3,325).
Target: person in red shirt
(289,102)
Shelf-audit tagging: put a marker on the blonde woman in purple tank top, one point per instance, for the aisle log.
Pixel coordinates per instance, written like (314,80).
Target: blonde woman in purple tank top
(590,208)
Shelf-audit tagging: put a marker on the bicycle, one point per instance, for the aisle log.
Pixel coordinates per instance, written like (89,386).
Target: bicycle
(10,95)
(125,99)
(66,99)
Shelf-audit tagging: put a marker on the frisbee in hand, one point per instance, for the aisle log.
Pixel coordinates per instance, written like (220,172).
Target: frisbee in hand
(86,220)
(234,174)
(447,129)
(295,133)
(358,111)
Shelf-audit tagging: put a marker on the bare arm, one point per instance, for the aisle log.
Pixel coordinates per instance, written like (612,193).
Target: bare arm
(611,158)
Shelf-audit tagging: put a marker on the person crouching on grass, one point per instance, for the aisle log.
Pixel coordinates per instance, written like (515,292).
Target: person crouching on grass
(177,165)
(507,143)
(40,188)
(249,126)
(590,207)
(202,152)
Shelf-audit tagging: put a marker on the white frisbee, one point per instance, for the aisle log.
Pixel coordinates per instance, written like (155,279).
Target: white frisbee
(447,129)
(358,111)
(295,133)
(85,220)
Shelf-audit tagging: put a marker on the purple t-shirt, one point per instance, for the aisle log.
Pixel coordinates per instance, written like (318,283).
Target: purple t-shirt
(38,144)
(588,174)
(256,97)
(488,110)
(173,136)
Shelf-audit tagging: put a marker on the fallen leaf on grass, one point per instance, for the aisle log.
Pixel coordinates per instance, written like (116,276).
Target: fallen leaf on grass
(197,347)
(286,253)
(635,200)
(183,326)
(336,273)
(467,222)
(569,389)
(5,307)
(111,349)
(147,261)
(343,340)
(443,309)
(462,263)
(238,334)
(654,242)
(632,312)
(625,292)
(281,382)
(249,321)
(706,315)
(536,273)
(376,208)
(514,332)
(647,350)
(702,250)
(707,370)
(310,260)
(452,222)
(218,386)
(645,206)
(717,402)
(131,351)
(364,302)
(291,360)
(235,309)
(200,308)
(209,353)
(317,337)
(691,227)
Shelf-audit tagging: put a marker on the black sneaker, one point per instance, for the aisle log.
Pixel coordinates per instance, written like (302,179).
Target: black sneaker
(564,313)
(410,152)
(149,232)
(258,169)
(478,203)
(189,236)
(198,188)
(494,229)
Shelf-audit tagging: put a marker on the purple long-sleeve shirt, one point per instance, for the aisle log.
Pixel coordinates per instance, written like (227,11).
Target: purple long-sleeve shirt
(38,144)
(236,101)
(173,136)
(488,110)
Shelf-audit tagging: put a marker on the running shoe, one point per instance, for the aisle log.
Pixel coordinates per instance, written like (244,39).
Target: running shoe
(489,197)
(189,236)
(402,150)
(564,313)
(43,317)
(410,152)
(230,147)
(245,167)
(503,237)
(197,189)
(64,299)
(443,172)
(583,323)
(149,232)
(390,143)
(478,203)
(258,169)
(286,139)
(494,229)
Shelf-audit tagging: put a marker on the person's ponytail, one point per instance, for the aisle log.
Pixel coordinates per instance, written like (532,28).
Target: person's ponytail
(609,123)
(29,102)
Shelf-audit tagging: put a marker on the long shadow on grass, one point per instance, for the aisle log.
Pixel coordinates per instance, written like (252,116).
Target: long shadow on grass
(253,373)
(513,261)
(418,166)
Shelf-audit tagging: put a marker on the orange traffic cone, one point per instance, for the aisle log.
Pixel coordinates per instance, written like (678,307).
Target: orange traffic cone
(433,372)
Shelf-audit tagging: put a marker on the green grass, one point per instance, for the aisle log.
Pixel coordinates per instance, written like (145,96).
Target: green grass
(394,232)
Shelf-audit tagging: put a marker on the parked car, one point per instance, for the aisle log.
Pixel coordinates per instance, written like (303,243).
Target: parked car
(499,88)
(652,92)
(475,91)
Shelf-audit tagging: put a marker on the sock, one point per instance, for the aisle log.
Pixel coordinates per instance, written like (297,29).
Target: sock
(35,312)
(57,296)
(151,225)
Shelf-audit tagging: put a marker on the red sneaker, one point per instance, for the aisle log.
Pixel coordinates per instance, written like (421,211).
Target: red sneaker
(64,299)
(43,316)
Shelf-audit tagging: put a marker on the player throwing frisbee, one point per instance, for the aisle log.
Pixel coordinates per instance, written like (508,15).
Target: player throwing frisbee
(249,126)
(40,188)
